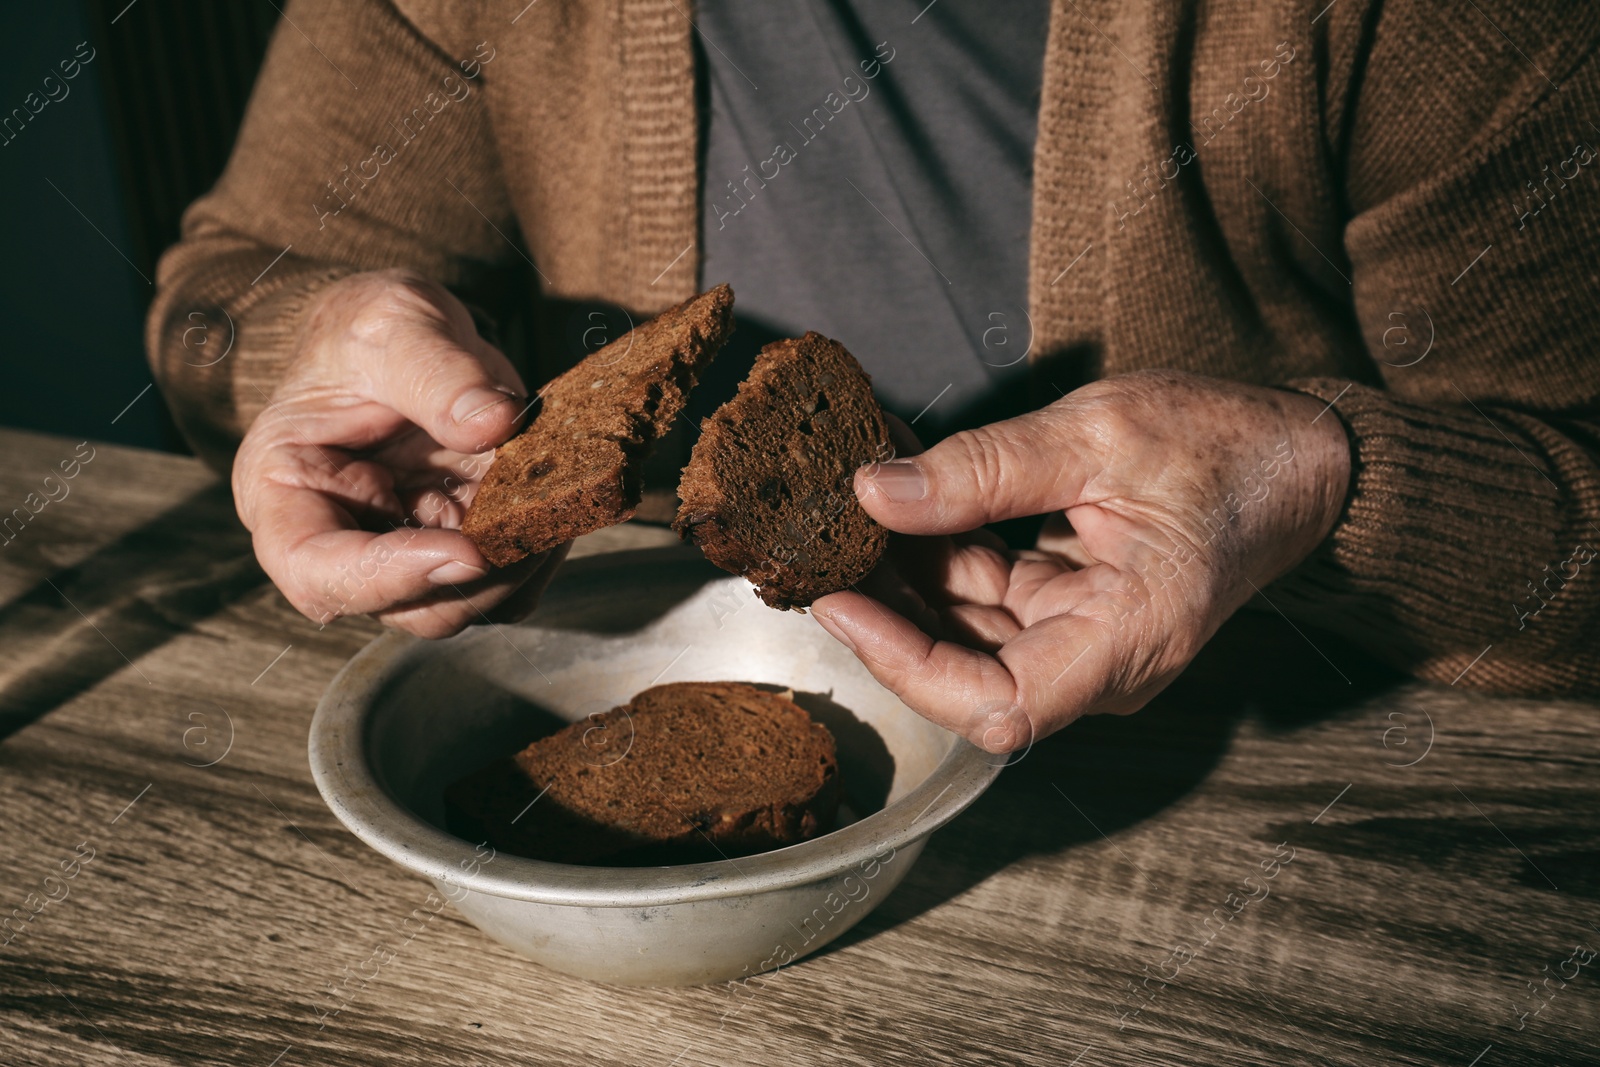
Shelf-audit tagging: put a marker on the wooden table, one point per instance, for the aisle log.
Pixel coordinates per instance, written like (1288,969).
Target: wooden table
(1273,865)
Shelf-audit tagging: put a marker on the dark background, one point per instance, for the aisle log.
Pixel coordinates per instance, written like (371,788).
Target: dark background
(94,186)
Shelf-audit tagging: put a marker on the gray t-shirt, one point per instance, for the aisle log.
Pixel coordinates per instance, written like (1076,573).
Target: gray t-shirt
(868,175)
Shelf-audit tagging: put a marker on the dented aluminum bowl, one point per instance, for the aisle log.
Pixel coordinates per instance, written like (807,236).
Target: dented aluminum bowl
(405,717)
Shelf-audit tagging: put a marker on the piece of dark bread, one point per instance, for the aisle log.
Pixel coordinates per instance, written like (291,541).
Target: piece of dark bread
(768,492)
(683,772)
(575,467)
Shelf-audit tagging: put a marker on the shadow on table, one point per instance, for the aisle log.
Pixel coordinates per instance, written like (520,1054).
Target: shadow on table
(1107,772)
(81,624)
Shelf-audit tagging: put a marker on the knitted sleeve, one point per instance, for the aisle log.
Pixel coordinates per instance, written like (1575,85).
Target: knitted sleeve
(1469,548)
(365,146)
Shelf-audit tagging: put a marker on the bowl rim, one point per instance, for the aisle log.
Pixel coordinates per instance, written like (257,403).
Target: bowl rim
(358,798)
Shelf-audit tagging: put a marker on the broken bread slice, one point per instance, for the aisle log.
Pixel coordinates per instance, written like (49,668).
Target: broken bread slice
(683,772)
(575,467)
(769,492)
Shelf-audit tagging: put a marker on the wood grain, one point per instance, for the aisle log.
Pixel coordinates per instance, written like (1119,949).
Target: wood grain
(221,907)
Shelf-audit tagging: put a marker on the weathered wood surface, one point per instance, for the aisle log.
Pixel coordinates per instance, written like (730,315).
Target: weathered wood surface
(1429,914)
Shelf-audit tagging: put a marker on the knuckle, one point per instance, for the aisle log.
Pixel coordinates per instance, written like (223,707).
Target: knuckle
(1009,462)
(370,308)
(1107,420)
(439,371)
(320,599)
(389,310)
(1037,699)
(986,453)
(310,590)
(244,478)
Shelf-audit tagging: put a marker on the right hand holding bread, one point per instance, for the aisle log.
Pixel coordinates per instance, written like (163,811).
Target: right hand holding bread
(354,478)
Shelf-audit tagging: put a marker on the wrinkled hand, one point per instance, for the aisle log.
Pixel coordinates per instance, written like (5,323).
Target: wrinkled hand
(1172,500)
(355,477)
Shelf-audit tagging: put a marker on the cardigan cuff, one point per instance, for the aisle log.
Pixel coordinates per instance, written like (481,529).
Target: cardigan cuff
(1446,558)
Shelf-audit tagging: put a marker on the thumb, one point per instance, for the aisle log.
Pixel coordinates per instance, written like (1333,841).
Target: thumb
(1006,470)
(463,392)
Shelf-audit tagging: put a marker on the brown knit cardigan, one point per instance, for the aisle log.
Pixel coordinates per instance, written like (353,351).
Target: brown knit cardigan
(1394,207)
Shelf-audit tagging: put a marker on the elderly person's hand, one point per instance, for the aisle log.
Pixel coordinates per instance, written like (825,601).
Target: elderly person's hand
(356,476)
(1173,499)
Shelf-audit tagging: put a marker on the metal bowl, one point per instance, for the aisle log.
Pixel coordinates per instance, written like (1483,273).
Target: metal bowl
(406,717)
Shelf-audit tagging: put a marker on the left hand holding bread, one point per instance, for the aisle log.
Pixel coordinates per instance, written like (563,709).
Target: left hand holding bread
(1172,500)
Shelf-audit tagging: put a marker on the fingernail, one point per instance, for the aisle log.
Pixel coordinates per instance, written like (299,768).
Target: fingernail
(828,624)
(901,480)
(475,402)
(455,572)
